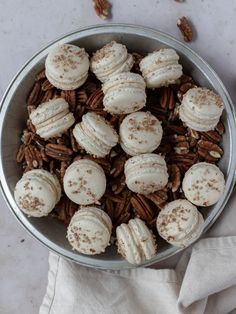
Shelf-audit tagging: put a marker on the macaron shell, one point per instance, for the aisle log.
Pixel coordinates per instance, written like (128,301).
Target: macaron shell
(48,177)
(161,68)
(135,241)
(195,123)
(92,146)
(124,79)
(95,135)
(99,213)
(159,56)
(127,246)
(203,184)
(176,220)
(56,128)
(140,132)
(146,173)
(109,56)
(148,181)
(48,110)
(144,238)
(203,102)
(110,59)
(66,85)
(67,66)
(201,109)
(89,231)
(124,101)
(164,76)
(124,67)
(37,193)
(193,236)
(101,128)
(84,182)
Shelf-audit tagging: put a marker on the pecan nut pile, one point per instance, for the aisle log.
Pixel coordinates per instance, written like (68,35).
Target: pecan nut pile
(181,146)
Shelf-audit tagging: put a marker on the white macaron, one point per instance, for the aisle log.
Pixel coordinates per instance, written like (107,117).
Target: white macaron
(95,135)
(124,93)
(84,182)
(37,192)
(180,223)
(140,132)
(201,109)
(161,68)
(52,118)
(203,184)
(67,67)
(89,230)
(135,241)
(111,59)
(146,173)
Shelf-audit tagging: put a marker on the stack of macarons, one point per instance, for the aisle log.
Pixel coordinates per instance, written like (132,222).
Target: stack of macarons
(140,133)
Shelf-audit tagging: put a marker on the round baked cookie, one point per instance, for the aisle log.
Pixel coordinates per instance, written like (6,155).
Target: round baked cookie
(84,182)
(180,223)
(201,109)
(140,132)
(203,184)
(37,192)
(89,230)
(67,66)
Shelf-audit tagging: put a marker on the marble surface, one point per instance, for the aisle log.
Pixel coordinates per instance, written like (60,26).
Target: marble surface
(25,27)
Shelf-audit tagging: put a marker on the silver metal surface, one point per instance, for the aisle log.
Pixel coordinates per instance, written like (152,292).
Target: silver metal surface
(13,115)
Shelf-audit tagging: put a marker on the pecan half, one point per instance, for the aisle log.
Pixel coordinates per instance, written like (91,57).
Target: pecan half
(208,149)
(95,100)
(34,94)
(20,156)
(167,98)
(212,136)
(175,177)
(102,8)
(49,94)
(159,198)
(141,207)
(220,128)
(59,152)
(118,185)
(46,85)
(82,96)
(41,75)
(185,28)
(137,58)
(182,147)
(118,166)
(64,210)
(71,97)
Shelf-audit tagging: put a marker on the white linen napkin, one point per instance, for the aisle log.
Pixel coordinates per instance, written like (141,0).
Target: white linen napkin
(203,281)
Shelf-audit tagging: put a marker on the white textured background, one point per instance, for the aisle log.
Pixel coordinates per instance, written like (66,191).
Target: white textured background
(28,25)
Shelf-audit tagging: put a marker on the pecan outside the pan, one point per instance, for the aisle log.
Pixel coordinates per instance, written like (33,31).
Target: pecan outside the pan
(102,8)
(185,28)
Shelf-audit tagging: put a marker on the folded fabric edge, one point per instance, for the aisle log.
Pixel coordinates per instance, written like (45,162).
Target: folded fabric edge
(46,305)
(215,243)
